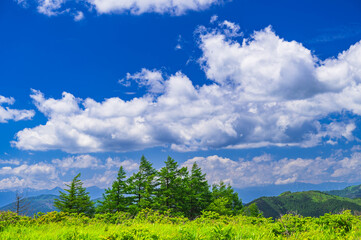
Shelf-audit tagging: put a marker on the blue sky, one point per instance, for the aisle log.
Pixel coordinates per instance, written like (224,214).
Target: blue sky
(257,92)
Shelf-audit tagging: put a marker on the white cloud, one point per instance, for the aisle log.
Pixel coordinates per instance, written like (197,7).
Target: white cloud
(47,175)
(39,176)
(230,29)
(10,162)
(81,161)
(244,173)
(128,165)
(12,182)
(176,7)
(50,7)
(78,16)
(153,79)
(173,7)
(266,92)
(7,113)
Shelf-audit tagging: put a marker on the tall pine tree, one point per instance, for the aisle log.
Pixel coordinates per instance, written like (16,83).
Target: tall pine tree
(199,195)
(114,199)
(75,199)
(142,185)
(172,187)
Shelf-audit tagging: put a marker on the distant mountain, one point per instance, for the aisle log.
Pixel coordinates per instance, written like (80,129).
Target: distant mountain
(310,203)
(8,196)
(43,203)
(250,193)
(349,192)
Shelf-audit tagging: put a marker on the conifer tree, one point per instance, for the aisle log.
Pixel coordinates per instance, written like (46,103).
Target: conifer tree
(75,199)
(142,185)
(172,187)
(224,200)
(114,199)
(199,194)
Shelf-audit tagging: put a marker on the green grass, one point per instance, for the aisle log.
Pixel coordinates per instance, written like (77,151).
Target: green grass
(152,225)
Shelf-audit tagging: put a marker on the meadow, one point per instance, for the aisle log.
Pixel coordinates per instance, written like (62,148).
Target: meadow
(149,224)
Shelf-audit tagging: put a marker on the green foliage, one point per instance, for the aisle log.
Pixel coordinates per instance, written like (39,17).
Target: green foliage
(252,210)
(142,186)
(172,187)
(221,206)
(225,200)
(221,232)
(150,224)
(114,199)
(349,192)
(310,203)
(75,199)
(198,194)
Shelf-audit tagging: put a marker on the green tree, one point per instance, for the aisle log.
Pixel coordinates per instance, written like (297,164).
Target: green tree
(142,186)
(75,199)
(172,187)
(114,199)
(252,210)
(224,197)
(199,196)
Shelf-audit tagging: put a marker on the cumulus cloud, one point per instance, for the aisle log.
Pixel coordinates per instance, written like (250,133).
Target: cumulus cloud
(47,175)
(174,7)
(50,7)
(128,165)
(7,113)
(82,161)
(266,91)
(153,79)
(12,182)
(40,175)
(261,171)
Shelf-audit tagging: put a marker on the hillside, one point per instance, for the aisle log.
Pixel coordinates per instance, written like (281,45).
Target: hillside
(349,192)
(310,203)
(42,203)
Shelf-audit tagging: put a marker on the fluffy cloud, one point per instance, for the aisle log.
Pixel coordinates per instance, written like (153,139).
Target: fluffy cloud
(12,182)
(47,175)
(262,171)
(82,161)
(7,113)
(173,7)
(151,79)
(176,7)
(40,175)
(266,91)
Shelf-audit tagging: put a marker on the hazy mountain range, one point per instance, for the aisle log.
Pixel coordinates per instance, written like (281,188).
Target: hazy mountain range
(306,203)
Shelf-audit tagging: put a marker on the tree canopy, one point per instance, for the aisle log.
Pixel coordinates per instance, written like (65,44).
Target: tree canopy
(75,199)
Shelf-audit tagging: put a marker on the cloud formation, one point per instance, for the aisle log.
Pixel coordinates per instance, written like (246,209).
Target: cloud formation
(152,79)
(173,7)
(7,113)
(263,170)
(266,91)
(47,175)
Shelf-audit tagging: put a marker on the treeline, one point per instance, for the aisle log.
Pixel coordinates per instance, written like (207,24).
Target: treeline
(172,189)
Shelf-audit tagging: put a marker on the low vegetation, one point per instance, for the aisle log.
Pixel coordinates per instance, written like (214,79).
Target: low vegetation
(149,224)
(173,203)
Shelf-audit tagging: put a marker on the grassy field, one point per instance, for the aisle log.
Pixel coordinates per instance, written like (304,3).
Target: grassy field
(152,225)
